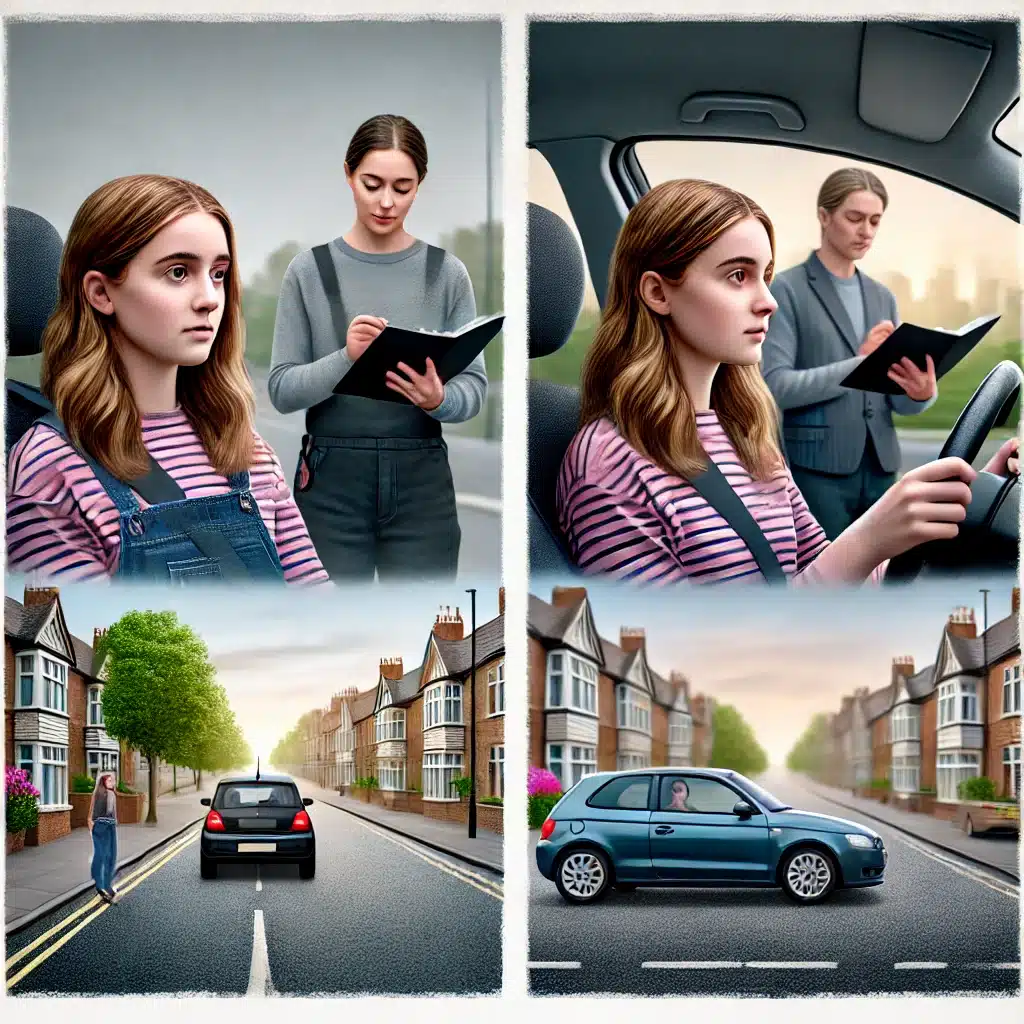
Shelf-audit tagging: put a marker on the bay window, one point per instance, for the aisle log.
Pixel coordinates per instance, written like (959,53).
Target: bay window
(624,762)
(634,709)
(391,774)
(571,762)
(101,761)
(958,702)
(906,774)
(438,772)
(26,680)
(905,723)
(95,705)
(680,729)
(391,725)
(1011,771)
(442,705)
(42,682)
(954,768)
(572,683)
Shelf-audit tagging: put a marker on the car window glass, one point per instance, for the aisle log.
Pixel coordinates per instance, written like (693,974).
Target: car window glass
(629,793)
(696,795)
(251,795)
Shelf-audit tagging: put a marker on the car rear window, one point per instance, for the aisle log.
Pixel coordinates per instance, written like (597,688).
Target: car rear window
(256,794)
(629,793)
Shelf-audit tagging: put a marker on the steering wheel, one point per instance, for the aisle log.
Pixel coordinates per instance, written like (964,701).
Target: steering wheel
(990,535)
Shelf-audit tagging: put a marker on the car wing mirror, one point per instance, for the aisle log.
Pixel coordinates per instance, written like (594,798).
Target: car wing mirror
(205,801)
(743,810)
(307,801)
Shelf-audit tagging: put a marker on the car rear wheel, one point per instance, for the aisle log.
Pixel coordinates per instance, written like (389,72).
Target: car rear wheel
(307,868)
(583,876)
(808,876)
(207,867)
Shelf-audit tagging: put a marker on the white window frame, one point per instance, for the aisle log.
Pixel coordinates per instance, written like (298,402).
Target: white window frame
(1011,690)
(496,690)
(443,705)
(496,772)
(390,724)
(1011,760)
(959,703)
(633,709)
(953,767)
(571,682)
(905,723)
(391,774)
(49,684)
(95,707)
(680,729)
(575,761)
(101,761)
(628,761)
(440,768)
(53,756)
(348,773)
(906,774)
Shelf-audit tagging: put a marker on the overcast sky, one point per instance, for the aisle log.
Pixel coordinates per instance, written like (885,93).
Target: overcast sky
(281,653)
(258,113)
(782,656)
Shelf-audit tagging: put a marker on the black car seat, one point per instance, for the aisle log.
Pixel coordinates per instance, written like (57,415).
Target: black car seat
(33,267)
(556,284)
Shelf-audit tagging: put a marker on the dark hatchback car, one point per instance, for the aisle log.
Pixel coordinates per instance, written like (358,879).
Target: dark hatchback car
(701,827)
(257,819)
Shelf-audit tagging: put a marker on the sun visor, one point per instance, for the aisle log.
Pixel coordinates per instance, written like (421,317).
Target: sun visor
(915,82)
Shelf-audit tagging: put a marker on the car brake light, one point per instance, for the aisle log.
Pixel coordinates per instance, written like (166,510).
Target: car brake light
(214,822)
(547,828)
(300,823)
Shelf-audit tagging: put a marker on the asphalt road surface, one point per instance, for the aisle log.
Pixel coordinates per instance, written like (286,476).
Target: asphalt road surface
(475,466)
(923,446)
(383,915)
(937,925)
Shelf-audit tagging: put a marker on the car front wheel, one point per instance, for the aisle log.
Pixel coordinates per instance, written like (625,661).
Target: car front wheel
(583,876)
(808,876)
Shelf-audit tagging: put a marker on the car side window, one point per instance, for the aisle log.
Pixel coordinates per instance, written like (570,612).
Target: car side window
(696,795)
(629,793)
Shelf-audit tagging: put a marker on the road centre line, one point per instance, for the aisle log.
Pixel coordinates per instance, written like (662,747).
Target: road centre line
(920,965)
(713,965)
(138,880)
(793,965)
(259,881)
(554,965)
(977,875)
(90,904)
(261,985)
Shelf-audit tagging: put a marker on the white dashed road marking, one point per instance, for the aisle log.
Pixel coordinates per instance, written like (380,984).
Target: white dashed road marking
(554,965)
(260,983)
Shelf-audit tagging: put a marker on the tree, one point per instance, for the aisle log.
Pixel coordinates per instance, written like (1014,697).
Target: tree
(733,743)
(810,752)
(158,689)
(259,303)
(291,748)
(217,743)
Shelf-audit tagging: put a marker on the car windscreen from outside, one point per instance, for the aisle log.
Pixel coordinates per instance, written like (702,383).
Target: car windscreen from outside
(256,794)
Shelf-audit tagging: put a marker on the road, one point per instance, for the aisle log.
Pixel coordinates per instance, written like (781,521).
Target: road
(383,915)
(954,917)
(476,471)
(919,447)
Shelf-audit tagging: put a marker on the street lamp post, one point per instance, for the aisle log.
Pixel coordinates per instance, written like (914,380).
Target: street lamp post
(472,717)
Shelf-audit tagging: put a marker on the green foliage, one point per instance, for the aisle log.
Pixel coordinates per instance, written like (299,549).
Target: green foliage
(981,788)
(291,748)
(538,807)
(259,303)
(881,784)
(123,787)
(370,782)
(734,744)
(82,784)
(810,752)
(927,791)
(495,800)
(462,784)
(22,812)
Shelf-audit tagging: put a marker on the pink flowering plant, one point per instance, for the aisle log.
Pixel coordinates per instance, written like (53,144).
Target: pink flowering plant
(21,810)
(543,792)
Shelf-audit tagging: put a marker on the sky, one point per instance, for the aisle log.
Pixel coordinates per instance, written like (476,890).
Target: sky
(780,657)
(279,654)
(924,227)
(258,113)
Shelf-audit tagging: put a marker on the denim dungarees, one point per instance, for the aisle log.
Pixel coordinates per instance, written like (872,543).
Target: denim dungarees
(218,537)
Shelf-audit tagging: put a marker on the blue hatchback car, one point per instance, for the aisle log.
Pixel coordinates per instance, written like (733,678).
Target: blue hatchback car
(701,827)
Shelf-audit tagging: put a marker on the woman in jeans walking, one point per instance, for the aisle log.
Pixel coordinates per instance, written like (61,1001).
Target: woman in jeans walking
(103,825)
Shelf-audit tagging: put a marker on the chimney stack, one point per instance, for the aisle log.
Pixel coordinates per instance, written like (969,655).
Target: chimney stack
(568,597)
(902,666)
(391,668)
(962,623)
(97,636)
(501,600)
(1015,601)
(41,595)
(632,639)
(448,626)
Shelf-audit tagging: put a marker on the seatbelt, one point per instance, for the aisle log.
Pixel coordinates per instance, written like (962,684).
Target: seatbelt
(712,486)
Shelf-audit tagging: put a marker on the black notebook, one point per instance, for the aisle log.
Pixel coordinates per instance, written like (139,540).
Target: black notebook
(451,352)
(946,348)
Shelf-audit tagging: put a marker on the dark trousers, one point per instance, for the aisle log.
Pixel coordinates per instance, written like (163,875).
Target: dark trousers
(837,500)
(384,505)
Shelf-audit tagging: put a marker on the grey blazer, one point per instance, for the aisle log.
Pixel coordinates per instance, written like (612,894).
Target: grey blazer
(808,350)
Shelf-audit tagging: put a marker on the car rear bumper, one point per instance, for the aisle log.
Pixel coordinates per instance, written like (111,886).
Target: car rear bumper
(282,846)
(546,854)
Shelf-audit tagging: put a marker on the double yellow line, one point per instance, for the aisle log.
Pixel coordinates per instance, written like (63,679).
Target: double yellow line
(96,905)
(485,885)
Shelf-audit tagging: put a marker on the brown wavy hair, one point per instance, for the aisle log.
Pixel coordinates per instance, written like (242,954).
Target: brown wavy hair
(82,373)
(630,373)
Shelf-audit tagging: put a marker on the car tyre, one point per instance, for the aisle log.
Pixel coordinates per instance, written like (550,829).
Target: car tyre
(207,867)
(809,875)
(583,875)
(625,887)
(307,868)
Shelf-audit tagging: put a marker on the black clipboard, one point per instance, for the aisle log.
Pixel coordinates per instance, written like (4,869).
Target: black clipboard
(451,354)
(946,348)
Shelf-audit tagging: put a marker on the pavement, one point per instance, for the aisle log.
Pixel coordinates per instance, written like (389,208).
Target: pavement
(384,914)
(41,878)
(938,924)
(999,852)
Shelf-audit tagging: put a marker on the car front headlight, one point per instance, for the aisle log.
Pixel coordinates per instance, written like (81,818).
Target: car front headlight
(861,842)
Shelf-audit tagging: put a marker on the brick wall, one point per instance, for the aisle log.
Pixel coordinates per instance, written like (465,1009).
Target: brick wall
(929,740)
(414,743)
(659,735)
(881,758)
(8,702)
(447,810)
(52,825)
(1001,732)
(78,696)
(537,661)
(607,724)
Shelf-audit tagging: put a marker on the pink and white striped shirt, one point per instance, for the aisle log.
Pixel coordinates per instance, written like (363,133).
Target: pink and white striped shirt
(60,521)
(627,518)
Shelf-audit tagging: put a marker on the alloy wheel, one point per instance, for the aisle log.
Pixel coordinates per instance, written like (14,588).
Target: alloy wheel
(583,875)
(809,874)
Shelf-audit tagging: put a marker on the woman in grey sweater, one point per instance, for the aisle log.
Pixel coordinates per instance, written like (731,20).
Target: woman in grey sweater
(373,482)
(102,822)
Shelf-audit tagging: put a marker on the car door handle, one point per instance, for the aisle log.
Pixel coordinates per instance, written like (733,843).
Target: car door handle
(663,830)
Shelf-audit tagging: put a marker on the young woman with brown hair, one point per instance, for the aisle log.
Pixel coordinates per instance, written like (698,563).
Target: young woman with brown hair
(672,382)
(148,465)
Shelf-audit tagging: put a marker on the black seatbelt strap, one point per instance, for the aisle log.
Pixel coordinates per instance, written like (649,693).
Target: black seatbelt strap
(712,486)
(329,279)
(435,258)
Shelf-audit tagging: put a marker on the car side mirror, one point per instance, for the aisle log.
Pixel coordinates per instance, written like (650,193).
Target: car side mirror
(205,801)
(743,810)
(307,801)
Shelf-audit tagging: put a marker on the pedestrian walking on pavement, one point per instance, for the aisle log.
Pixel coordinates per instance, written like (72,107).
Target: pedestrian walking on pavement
(102,823)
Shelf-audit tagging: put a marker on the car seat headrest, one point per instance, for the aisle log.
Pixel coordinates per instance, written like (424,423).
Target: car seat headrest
(557,279)
(33,269)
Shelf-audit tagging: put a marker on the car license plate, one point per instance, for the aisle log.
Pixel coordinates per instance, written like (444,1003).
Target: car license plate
(254,823)
(257,847)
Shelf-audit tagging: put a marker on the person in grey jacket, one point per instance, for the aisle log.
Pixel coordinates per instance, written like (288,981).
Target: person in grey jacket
(102,822)
(373,481)
(841,443)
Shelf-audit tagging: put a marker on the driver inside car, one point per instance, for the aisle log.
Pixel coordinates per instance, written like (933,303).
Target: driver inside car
(672,395)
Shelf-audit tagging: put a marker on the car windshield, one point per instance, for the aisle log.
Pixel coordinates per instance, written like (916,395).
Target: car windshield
(256,794)
(762,796)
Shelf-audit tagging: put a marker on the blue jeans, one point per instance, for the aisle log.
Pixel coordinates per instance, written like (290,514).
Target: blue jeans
(104,853)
